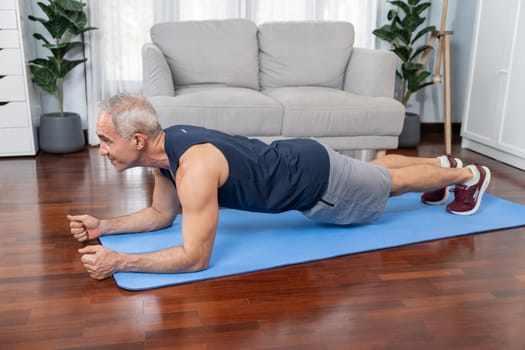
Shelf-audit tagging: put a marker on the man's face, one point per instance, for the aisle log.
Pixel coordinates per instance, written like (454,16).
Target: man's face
(122,153)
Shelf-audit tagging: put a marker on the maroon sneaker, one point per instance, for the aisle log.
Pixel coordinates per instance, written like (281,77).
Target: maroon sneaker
(440,196)
(468,198)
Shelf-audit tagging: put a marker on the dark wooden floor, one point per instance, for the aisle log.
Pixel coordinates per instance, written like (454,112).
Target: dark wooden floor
(461,293)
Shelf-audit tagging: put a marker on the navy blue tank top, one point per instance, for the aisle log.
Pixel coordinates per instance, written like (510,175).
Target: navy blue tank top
(285,175)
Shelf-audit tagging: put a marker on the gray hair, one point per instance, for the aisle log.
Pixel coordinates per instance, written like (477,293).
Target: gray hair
(131,113)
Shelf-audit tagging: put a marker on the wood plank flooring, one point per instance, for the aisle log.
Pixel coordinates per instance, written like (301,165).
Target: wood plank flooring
(460,293)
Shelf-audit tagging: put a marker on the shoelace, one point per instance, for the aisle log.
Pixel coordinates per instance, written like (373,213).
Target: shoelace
(452,161)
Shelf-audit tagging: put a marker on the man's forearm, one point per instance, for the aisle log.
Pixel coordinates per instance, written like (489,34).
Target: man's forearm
(169,260)
(145,220)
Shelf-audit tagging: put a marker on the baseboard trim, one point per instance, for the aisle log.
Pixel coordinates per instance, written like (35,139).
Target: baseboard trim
(495,153)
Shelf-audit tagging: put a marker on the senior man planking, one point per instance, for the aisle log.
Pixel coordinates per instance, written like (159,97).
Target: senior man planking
(198,170)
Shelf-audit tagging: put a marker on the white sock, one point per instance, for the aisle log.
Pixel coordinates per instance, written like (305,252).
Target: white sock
(444,161)
(475,176)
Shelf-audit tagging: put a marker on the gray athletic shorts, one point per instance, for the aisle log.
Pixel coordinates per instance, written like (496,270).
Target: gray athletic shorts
(357,192)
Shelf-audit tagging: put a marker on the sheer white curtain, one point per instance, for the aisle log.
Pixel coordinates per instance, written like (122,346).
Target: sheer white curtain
(114,50)
(361,13)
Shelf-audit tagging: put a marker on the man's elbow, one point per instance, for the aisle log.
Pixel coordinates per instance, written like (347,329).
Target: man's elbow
(166,222)
(199,266)
(166,219)
(161,220)
(196,263)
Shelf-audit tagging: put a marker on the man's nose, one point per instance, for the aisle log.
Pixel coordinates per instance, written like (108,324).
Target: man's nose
(102,150)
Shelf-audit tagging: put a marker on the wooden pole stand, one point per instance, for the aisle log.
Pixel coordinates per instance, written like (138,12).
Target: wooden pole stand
(443,55)
(446,96)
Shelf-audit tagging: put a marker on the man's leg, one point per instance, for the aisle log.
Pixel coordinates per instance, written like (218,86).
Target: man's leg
(433,176)
(421,178)
(436,196)
(396,161)
(471,183)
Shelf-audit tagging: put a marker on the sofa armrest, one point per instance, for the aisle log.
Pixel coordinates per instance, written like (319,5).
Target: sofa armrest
(157,79)
(371,73)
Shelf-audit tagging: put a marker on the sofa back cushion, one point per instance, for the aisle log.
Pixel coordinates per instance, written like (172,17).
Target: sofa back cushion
(304,53)
(222,52)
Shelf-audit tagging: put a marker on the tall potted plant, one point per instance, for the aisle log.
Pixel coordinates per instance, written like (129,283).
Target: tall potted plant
(402,31)
(65,23)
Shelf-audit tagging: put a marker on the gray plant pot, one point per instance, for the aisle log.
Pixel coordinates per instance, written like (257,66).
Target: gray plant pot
(411,133)
(61,134)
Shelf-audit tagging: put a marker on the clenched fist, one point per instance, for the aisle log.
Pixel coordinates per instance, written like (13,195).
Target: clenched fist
(99,261)
(84,227)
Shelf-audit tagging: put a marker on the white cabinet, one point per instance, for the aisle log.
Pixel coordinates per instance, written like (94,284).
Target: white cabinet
(18,105)
(494,119)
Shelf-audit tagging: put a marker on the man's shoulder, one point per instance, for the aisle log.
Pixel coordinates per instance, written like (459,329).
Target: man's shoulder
(204,160)
(181,129)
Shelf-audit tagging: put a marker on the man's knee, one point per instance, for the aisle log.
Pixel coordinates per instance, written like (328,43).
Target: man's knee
(398,186)
(388,161)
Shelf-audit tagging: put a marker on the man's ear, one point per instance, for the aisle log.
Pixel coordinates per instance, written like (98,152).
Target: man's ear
(139,140)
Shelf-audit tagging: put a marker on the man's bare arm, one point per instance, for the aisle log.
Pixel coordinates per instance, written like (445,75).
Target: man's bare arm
(164,208)
(197,187)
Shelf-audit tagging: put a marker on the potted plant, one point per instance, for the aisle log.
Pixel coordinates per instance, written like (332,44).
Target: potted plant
(402,32)
(66,21)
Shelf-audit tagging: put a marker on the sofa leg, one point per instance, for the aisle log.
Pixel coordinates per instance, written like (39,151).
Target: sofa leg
(380,153)
(366,155)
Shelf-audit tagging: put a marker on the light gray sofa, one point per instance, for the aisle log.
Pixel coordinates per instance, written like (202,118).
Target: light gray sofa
(275,81)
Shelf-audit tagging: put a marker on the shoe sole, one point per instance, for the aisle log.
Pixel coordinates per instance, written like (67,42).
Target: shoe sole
(442,201)
(480,197)
(459,164)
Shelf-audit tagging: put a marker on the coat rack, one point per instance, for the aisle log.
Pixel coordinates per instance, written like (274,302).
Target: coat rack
(443,54)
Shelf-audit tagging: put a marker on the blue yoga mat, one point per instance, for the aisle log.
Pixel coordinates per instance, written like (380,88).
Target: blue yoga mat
(248,242)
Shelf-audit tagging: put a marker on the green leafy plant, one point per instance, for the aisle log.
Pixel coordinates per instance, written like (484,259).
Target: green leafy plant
(66,21)
(402,32)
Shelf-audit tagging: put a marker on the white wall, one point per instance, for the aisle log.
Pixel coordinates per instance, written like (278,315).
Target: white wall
(429,101)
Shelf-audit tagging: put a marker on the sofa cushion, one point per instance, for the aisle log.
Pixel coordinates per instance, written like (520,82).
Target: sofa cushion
(318,111)
(304,53)
(231,110)
(210,52)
